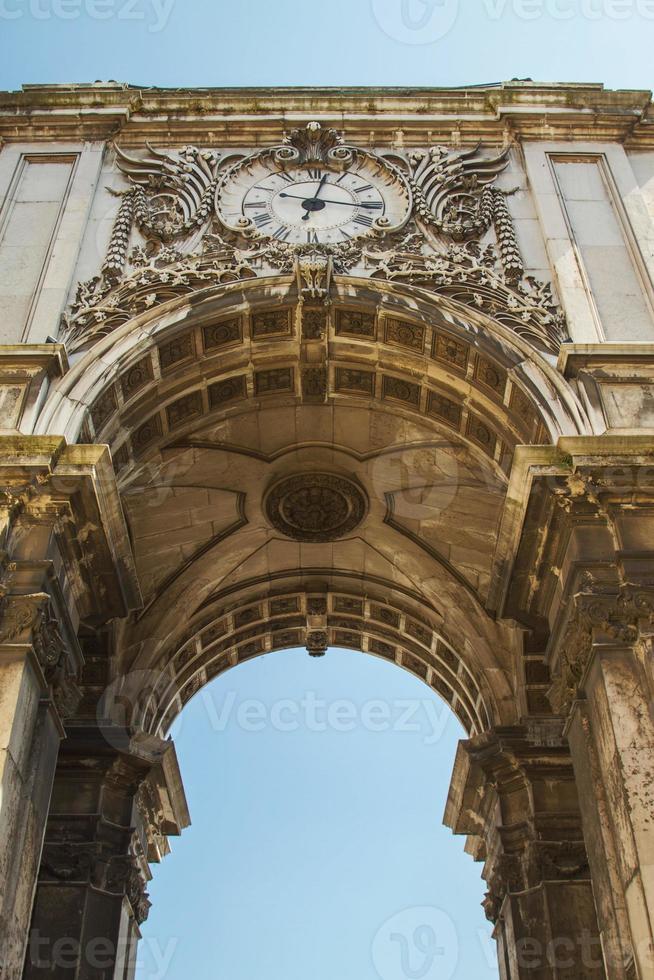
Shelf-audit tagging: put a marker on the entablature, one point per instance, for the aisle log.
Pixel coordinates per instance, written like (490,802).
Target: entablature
(499,114)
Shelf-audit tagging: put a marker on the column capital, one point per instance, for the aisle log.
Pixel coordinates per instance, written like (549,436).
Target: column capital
(29,623)
(67,498)
(571,507)
(595,618)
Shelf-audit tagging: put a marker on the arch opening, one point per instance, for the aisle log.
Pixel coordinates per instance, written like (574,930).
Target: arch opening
(353,808)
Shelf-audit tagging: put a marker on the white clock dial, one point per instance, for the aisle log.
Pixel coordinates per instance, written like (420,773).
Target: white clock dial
(314,204)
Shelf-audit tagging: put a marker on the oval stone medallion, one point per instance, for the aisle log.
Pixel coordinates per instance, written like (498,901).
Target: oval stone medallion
(315,506)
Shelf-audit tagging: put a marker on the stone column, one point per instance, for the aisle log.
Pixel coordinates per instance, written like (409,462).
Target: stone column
(116,799)
(513,793)
(38,670)
(604,680)
(64,566)
(578,574)
(29,740)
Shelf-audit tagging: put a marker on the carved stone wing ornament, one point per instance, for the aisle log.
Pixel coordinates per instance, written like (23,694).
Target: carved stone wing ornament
(435,204)
(451,188)
(172,196)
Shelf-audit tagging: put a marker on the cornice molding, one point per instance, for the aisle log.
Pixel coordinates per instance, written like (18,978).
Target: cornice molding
(499,114)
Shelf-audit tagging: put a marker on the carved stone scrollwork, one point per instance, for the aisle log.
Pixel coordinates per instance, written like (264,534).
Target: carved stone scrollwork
(137,895)
(313,272)
(556,861)
(69,862)
(506,876)
(468,274)
(317,643)
(450,202)
(448,188)
(313,144)
(180,190)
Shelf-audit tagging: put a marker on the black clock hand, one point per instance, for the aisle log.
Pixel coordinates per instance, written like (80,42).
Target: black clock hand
(326,200)
(307,205)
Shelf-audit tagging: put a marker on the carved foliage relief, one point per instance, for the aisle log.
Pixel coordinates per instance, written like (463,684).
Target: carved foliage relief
(433,218)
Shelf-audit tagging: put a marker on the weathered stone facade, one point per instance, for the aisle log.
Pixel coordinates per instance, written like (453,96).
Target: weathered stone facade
(362,368)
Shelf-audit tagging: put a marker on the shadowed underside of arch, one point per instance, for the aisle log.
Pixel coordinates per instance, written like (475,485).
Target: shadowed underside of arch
(296,473)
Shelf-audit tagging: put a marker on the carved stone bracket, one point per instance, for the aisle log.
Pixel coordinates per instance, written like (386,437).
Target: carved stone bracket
(498,778)
(313,274)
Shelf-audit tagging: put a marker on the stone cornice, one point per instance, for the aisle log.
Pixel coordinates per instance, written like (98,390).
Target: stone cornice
(400,116)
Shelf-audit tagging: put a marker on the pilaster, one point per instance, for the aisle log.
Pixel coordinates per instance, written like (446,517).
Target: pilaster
(581,581)
(61,540)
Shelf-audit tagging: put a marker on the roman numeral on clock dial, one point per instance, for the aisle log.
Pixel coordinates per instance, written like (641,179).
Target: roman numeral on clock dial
(261,220)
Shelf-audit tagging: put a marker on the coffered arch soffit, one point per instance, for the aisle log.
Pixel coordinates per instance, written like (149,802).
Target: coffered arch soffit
(210,402)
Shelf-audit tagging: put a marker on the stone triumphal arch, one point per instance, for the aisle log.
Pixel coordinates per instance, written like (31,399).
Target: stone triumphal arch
(370,369)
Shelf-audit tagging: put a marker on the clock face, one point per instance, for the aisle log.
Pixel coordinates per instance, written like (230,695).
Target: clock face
(314,204)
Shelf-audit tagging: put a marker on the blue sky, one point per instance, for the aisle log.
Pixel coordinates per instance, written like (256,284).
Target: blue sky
(336,42)
(317,789)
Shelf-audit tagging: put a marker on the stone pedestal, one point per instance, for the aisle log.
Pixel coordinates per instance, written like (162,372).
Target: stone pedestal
(115,798)
(513,793)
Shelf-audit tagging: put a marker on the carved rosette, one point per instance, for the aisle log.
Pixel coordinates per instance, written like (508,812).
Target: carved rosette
(315,506)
